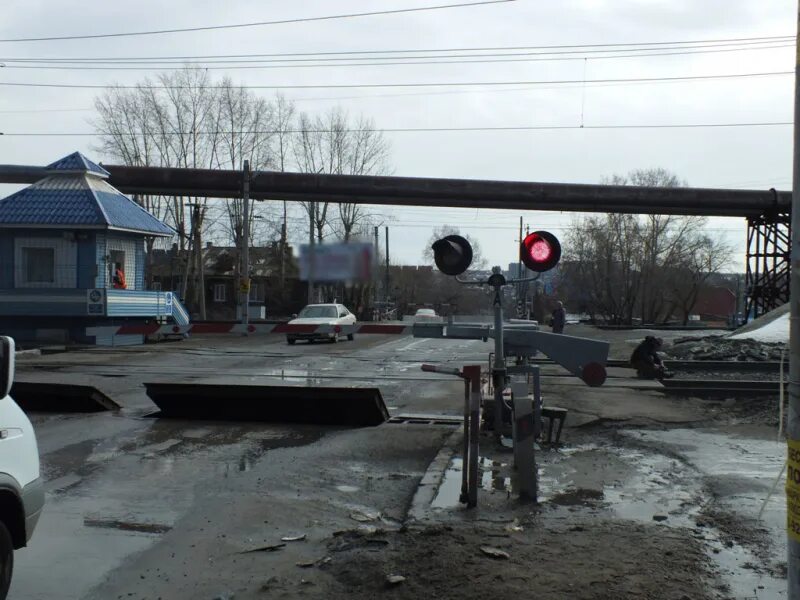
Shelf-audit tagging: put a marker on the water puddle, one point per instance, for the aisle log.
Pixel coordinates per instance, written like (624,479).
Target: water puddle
(664,480)
(348,489)
(494,476)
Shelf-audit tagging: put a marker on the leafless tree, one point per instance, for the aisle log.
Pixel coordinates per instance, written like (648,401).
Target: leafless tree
(618,266)
(331,143)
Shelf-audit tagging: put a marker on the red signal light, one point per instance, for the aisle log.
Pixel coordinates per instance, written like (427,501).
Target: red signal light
(540,251)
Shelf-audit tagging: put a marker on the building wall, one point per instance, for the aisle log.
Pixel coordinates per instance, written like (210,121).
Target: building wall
(87,263)
(65,254)
(133,247)
(6,260)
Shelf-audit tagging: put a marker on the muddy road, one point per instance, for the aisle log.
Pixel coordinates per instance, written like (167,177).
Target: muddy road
(648,497)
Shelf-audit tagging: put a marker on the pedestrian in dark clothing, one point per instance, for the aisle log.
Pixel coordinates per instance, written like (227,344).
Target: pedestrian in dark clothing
(559,318)
(647,362)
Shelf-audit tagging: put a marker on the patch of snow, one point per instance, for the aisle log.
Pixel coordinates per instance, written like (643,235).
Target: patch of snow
(776,331)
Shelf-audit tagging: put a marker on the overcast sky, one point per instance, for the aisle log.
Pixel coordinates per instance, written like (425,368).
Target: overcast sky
(742,157)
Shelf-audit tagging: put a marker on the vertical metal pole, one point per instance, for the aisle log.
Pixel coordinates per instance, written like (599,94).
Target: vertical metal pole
(518,274)
(386,291)
(473,375)
(464,498)
(793,424)
(375,276)
(524,457)
(537,402)
(499,370)
(245,283)
(311,214)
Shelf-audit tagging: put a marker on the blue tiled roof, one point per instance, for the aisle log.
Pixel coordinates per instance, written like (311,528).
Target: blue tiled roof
(77,199)
(123,213)
(78,162)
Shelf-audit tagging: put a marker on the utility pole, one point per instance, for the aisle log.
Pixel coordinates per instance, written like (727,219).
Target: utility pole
(793,425)
(244,284)
(201,271)
(376,270)
(519,270)
(311,218)
(387,268)
(283,251)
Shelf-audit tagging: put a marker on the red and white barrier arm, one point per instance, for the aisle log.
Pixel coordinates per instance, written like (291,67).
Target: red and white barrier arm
(251,329)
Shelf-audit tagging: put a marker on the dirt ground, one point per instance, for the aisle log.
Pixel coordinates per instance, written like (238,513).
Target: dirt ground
(570,561)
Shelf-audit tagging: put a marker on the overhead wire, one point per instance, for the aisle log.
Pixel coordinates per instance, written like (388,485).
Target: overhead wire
(415,129)
(517,58)
(396,11)
(590,47)
(328,57)
(416,84)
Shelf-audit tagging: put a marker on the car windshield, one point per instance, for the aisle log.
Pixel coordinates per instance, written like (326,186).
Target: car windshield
(318,312)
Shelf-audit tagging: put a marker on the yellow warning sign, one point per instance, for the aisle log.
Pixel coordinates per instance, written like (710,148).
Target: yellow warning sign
(793,490)
(244,286)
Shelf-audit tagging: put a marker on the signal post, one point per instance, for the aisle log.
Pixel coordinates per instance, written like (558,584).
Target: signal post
(540,251)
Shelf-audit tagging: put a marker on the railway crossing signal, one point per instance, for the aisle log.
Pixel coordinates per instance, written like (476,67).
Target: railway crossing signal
(452,254)
(540,251)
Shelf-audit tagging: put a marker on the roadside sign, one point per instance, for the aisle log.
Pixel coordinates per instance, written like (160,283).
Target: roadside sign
(168,300)
(95,302)
(337,262)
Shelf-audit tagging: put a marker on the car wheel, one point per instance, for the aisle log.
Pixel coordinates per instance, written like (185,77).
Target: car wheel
(290,341)
(350,337)
(6,560)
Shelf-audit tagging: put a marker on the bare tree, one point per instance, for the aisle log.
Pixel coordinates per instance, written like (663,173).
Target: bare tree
(166,122)
(617,266)
(331,143)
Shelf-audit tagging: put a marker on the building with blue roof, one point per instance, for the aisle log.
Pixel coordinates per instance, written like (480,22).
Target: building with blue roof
(72,256)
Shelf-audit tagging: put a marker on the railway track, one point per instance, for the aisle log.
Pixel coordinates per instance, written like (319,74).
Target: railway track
(721,387)
(702,365)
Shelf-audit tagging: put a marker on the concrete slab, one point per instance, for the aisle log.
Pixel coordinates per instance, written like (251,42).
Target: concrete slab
(60,397)
(347,406)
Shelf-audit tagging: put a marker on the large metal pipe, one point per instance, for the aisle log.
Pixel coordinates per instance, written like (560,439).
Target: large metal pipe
(431,192)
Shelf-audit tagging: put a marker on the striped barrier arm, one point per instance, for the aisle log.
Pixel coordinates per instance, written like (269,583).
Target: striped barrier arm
(251,329)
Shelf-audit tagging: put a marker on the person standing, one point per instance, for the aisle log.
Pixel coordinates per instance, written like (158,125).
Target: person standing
(559,317)
(119,278)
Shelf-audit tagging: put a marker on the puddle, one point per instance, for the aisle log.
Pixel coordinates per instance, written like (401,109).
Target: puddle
(494,478)
(127,525)
(667,489)
(349,489)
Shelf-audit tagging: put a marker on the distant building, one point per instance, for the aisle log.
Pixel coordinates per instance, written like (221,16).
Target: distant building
(268,298)
(72,256)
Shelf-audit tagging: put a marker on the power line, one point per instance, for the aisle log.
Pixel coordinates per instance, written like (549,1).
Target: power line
(408,85)
(308,64)
(627,45)
(510,51)
(254,24)
(414,129)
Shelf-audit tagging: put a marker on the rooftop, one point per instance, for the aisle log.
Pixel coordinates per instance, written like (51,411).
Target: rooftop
(76,196)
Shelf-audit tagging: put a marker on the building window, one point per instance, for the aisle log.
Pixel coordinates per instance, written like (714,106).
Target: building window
(39,265)
(219,292)
(257,292)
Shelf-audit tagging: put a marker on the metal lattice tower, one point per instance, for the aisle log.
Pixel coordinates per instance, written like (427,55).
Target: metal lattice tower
(768,262)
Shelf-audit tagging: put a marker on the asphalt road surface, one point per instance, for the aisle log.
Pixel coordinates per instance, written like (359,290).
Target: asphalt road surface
(126,490)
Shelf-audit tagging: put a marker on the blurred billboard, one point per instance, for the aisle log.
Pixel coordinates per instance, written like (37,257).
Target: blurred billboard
(337,262)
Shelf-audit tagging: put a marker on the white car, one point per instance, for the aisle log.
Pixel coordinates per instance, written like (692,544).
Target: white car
(21,489)
(321,314)
(425,314)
